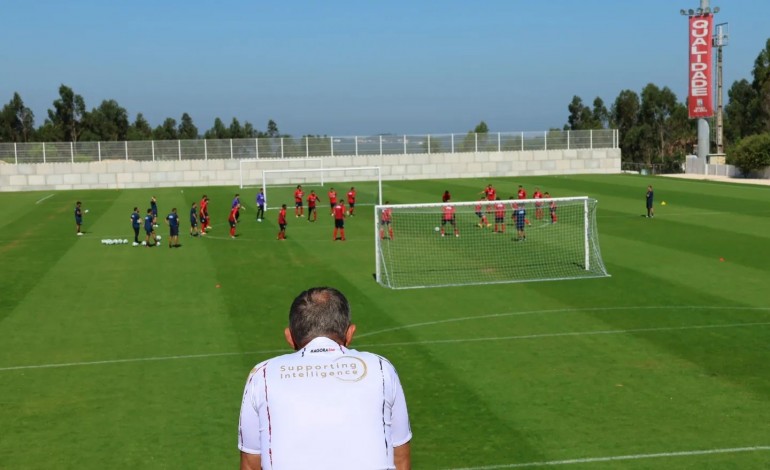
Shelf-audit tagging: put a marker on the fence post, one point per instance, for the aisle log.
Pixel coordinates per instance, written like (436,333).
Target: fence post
(592,138)
(356,138)
(15,154)
(231,149)
(499,147)
(331,145)
(179,149)
(256,144)
(125,142)
(282,156)
(43,152)
(545,140)
(522,141)
(99,150)
(476,142)
(404,144)
(567,140)
(205,149)
(380,144)
(307,146)
(72,152)
(153,150)
(453,143)
(428,144)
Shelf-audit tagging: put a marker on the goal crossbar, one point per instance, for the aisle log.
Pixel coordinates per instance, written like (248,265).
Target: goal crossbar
(324,177)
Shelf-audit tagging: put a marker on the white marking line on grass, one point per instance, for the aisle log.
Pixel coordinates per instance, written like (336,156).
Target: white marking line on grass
(409,343)
(686,453)
(560,310)
(43,199)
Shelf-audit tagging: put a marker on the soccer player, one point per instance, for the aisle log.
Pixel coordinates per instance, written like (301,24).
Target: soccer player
(551,207)
(282,223)
(203,214)
(193,220)
(649,199)
(448,217)
(351,201)
(521,217)
(236,202)
(538,204)
(490,193)
(483,222)
(149,229)
(522,194)
(299,211)
(385,221)
(446,196)
(260,204)
(233,219)
(499,216)
(332,194)
(339,221)
(173,228)
(78,218)
(312,199)
(136,224)
(324,406)
(154,208)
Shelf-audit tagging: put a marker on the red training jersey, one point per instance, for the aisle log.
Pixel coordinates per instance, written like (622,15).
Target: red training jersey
(499,209)
(282,216)
(351,197)
(204,210)
(449,212)
(522,193)
(491,193)
(339,212)
(333,197)
(387,214)
(538,195)
(298,195)
(312,199)
(233,212)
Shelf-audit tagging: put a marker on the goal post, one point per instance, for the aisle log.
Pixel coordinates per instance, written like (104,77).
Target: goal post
(486,242)
(279,185)
(250,169)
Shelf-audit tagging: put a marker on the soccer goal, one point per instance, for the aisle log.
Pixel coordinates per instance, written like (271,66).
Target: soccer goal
(250,169)
(279,185)
(418,245)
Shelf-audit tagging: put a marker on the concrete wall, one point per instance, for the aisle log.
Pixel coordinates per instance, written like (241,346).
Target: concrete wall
(117,174)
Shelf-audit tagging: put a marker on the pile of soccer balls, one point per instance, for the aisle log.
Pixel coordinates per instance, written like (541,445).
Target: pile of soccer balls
(116,241)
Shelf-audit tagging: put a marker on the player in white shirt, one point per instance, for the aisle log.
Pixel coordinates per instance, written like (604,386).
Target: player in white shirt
(324,406)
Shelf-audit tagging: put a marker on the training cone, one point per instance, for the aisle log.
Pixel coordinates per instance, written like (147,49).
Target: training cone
(721,259)
(663,203)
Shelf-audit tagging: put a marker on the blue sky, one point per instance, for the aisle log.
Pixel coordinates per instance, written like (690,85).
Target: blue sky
(358,67)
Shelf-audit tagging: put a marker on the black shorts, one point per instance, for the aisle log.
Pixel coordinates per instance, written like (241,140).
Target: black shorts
(174,231)
(499,220)
(351,204)
(193,223)
(232,224)
(384,222)
(298,204)
(310,208)
(148,231)
(444,221)
(282,227)
(339,223)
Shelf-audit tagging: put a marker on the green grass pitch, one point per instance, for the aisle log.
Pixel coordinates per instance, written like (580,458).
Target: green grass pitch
(122,357)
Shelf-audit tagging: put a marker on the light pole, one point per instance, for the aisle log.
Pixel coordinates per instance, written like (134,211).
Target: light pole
(704,140)
(720,40)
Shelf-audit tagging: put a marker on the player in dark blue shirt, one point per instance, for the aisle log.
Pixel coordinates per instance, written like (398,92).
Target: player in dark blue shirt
(136,224)
(173,226)
(521,221)
(154,209)
(650,196)
(194,220)
(78,218)
(149,229)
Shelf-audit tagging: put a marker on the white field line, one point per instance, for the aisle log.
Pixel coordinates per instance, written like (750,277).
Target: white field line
(406,343)
(687,453)
(43,199)
(561,310)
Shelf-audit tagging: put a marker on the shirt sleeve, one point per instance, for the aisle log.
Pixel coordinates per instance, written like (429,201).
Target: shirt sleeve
(400,429)
(248,424)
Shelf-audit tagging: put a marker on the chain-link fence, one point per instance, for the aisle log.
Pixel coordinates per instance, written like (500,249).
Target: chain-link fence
(289,147)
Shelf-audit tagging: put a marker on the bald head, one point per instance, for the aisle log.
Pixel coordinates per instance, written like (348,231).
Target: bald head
(319,311)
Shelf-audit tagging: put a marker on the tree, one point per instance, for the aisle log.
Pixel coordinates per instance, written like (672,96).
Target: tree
(656,109)
(272,129)
(481,128)
(187,129)
(17,122)
(741,111)
(107,122)
(761,85)
(235,130)
(624,116)
(67,115)
(249,131)
(752,153)
(600,117)
(166,131)
(580,116)
(219,131)
(140,129)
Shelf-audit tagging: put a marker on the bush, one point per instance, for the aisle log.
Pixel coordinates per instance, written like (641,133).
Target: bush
(751,153)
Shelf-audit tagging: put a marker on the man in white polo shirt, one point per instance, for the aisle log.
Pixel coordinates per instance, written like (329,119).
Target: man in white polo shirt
(324,406)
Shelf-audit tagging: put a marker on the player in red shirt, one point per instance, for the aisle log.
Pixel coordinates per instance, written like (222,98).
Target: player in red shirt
(282,222)
(490,193)
(352,201)
(339,221)
(538,204)
(551,207)
(385,221)
(312,199)
(332,194)
(523,195)
(483,222)
(446,196)
(299,211)
(448,217)
(203,214)
(500,216)
(233,219)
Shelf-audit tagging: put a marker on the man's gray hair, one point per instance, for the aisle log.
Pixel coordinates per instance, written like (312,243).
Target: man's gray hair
(319,311)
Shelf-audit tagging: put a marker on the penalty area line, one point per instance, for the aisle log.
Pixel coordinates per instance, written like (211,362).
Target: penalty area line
(686,453)
(374,345)
(43,199)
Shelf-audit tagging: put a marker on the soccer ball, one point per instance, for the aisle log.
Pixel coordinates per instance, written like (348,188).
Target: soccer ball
(144,243)
(437,229)
(158,237)
(135,244)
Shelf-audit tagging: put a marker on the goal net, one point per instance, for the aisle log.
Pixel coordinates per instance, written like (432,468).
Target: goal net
(487,242)
(250,169)
(280,185)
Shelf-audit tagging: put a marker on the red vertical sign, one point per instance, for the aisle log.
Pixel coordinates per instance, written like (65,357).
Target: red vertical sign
(701,98)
